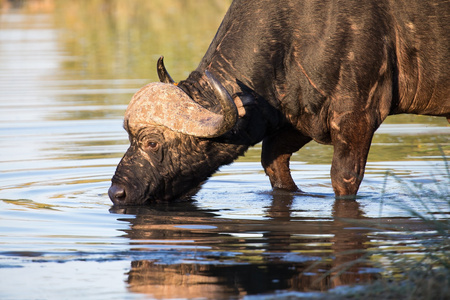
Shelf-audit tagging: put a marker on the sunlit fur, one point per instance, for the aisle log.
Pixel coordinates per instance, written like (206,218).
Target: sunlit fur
(328,71)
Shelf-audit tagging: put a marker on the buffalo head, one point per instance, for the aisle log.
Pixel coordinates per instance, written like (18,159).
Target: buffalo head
(170,140)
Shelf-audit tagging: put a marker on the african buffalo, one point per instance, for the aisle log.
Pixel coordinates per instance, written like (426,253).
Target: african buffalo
(285,73)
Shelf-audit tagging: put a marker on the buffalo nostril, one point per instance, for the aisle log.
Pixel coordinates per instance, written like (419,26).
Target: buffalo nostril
(116,193)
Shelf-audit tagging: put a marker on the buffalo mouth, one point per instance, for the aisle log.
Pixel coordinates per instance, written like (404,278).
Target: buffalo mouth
(124,194)
(120,197)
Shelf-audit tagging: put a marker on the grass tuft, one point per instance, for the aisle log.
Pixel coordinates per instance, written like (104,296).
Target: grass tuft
(424,274)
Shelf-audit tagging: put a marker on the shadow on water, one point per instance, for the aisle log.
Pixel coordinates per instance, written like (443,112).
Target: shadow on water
(193,252)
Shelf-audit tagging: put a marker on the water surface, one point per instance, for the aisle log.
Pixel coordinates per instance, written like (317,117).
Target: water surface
(64,88)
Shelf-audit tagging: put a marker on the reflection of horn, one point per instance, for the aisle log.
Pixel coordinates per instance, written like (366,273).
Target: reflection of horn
(181,281)
(167,105)
(162,72)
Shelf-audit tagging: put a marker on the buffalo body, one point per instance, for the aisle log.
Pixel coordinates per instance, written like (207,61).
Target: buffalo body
(285,73)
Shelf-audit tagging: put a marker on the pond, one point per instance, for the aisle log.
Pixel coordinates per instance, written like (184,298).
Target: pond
(67,72)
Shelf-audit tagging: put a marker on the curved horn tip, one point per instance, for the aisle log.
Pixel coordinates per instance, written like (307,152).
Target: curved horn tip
(229,109)
(162,72)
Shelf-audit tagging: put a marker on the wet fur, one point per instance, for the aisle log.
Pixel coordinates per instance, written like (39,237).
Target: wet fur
(335,71)
(329,71)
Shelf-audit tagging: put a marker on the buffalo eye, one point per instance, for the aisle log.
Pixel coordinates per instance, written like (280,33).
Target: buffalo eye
(153,146)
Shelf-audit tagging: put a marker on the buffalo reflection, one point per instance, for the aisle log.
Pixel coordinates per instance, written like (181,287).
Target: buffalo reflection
(191,252)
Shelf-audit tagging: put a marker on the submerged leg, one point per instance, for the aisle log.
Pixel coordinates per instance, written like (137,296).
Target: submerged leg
(277,150)
(351,139)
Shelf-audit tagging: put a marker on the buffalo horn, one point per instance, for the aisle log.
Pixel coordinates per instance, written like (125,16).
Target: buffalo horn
(169,106)
(229,109)
(162,72)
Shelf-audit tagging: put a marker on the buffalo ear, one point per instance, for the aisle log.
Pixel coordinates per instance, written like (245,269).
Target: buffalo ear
(162,72)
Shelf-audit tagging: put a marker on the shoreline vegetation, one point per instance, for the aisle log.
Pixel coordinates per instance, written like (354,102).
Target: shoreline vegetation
(424,274)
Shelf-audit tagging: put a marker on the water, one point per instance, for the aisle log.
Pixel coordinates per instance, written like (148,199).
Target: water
(61,138)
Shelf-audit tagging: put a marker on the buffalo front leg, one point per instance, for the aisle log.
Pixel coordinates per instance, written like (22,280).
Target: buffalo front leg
(276,153)
(351,140)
